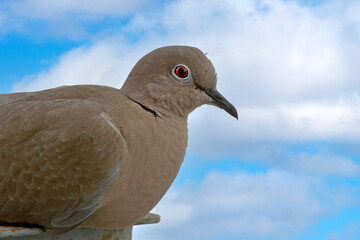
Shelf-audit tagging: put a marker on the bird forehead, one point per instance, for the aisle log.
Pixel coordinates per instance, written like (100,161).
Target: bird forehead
(200,66)
(172,55)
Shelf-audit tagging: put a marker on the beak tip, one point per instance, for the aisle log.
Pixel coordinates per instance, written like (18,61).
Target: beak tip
(233,113)
(221,102)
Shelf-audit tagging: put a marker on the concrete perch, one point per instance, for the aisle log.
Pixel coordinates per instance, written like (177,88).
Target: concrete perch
(22,233)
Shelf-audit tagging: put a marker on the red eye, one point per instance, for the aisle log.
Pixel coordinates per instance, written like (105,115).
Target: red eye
(181,71)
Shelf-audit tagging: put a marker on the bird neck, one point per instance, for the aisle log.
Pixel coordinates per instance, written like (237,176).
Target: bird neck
(159,107)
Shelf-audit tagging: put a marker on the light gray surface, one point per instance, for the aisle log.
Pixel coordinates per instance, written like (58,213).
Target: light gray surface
(18,233)
(22,233)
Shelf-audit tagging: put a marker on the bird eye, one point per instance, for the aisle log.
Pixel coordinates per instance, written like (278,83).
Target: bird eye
(182,73)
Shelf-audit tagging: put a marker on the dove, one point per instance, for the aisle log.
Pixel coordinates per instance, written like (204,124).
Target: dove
(99,157)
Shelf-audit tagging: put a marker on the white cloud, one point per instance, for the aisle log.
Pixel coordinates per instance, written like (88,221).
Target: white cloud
(274,205)
(269,53)
(102,63)
(287,68)
(332,121)
(324,165)
(292,72)
(282,53)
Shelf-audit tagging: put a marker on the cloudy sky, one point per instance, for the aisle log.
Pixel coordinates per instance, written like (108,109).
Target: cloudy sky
(288,169)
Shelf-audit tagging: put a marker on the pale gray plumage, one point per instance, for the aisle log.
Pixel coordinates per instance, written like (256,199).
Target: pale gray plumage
(95,156)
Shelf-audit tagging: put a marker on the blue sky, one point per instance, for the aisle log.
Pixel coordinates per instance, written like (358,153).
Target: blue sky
(288,169)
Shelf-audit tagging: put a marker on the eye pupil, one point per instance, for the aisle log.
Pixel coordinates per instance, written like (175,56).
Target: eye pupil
(181,71)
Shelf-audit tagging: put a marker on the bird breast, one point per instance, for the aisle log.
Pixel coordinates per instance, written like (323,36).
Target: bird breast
(151,165)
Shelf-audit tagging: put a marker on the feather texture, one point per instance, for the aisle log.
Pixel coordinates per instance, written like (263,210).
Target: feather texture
(53,173)
(100,157)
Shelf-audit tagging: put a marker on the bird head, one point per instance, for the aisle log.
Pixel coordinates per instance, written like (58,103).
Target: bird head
(175,80)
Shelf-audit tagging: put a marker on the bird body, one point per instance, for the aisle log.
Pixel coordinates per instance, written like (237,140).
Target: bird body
(96,156)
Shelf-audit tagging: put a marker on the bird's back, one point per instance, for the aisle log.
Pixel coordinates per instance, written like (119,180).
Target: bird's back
(5,98)
(55,156)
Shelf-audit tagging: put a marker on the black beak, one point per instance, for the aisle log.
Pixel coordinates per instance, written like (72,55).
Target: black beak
(221,102)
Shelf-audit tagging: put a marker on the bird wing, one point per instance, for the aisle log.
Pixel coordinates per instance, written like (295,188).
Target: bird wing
(5,98)
(56,158)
